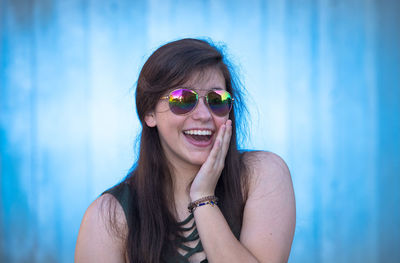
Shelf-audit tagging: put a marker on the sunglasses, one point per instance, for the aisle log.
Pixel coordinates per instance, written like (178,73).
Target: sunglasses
(182,101)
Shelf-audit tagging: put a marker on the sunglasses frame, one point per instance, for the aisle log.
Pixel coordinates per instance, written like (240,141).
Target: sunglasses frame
(198,99)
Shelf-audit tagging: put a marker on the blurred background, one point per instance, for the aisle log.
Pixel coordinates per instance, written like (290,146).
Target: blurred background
(323,81)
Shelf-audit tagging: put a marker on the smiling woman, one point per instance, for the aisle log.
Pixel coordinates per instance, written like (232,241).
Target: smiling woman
(193,196)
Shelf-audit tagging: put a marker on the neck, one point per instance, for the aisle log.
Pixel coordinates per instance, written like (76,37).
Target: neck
(182,178)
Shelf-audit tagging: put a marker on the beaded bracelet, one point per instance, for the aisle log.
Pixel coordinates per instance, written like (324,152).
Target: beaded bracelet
(208,200)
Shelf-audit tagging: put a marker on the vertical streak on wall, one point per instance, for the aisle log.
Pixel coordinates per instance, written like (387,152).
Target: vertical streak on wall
(2,135)
(33,129)
(315,132)
(17,140)
(4,256)
(388,178)
(325,142)
(275,86)
(371,189)
(86,15)
(302,38)
(262,65)
(74,45)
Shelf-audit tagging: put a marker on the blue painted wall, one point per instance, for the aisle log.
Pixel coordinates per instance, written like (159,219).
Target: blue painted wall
(323,79)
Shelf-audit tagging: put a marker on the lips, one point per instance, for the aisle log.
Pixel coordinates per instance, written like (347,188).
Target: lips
(199,137)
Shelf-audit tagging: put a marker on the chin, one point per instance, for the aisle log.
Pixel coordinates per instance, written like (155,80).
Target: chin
(198,159)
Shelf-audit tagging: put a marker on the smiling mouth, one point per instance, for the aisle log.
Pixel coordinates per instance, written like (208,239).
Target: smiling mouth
(199,135)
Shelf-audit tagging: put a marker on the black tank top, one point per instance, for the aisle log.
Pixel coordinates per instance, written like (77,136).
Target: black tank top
(122,192)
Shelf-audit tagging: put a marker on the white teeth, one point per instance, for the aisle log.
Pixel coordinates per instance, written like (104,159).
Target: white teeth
(198,132)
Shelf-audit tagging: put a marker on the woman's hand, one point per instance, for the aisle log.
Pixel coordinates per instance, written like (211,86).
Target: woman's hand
(206,179)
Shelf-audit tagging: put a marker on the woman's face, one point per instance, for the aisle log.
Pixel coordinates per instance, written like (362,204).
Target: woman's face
(176,132)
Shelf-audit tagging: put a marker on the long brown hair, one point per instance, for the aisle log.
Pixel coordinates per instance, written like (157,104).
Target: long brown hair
(153,226)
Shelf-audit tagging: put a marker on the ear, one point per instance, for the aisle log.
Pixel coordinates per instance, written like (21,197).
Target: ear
(150,119)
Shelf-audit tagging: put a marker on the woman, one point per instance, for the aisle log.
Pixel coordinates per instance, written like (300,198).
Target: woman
(192,196)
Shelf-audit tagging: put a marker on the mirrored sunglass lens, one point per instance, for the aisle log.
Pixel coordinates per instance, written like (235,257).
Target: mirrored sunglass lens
(220,102)
(182,101)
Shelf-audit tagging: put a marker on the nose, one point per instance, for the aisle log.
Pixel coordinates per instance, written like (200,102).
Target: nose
(202,112)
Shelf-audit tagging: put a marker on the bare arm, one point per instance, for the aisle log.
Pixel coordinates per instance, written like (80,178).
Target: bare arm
(97,239)
(269,214)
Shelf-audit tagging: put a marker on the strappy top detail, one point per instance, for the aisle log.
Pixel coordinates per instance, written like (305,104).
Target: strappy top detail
(123,192)
(193,236)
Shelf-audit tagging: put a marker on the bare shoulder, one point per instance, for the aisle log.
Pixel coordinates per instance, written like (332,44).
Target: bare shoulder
(101,235)
(267,169)
(270,215)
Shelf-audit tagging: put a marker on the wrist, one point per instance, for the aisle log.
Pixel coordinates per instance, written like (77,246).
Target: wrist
(207,200)
(199,195)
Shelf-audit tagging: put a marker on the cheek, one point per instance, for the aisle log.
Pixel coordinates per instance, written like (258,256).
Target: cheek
(168,123)
(162,107)
(220,120)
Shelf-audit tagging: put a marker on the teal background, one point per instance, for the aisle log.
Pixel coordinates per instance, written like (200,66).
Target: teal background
(323,80)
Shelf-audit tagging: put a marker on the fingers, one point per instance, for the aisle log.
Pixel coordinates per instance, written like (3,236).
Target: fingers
(218,142)
(227,136)
(225,143)
(216,158)
(215,151)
